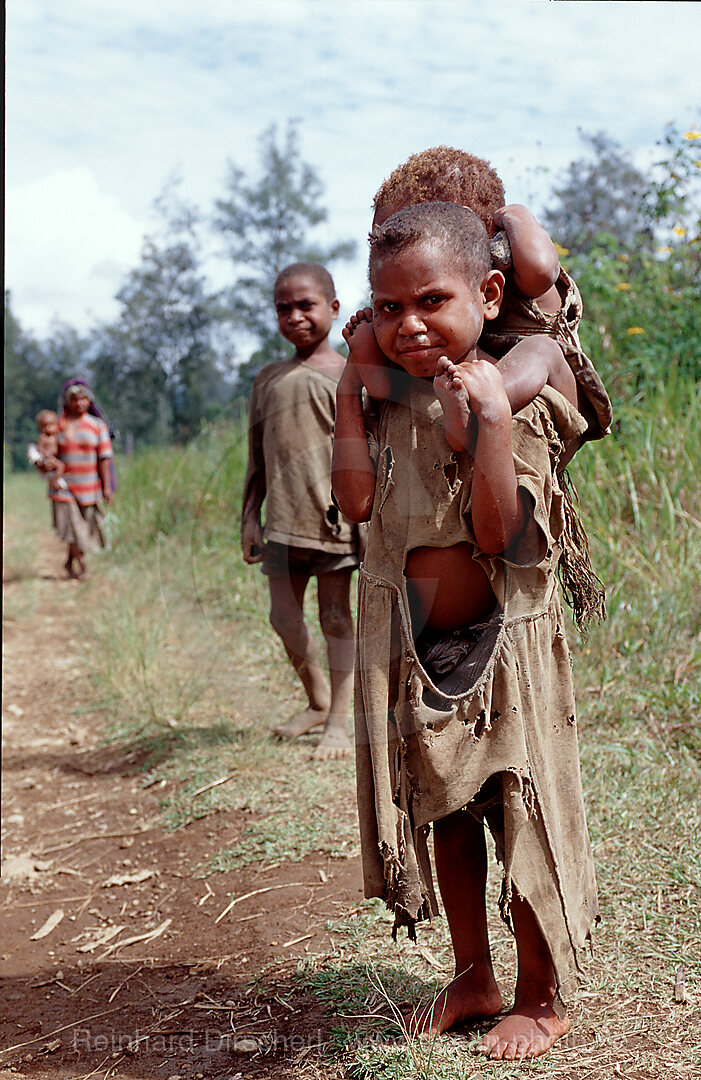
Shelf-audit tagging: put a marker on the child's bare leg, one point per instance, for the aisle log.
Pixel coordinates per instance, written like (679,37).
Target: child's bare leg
(532,1025)
(287,619)
(367,355)
(75,555)
(532,364)
(337,626)
(450,391)
(461,868)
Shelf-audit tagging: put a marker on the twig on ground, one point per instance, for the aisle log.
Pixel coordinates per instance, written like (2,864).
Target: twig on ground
(294,941)
(51,900)
(114,993)
(74,1023)
(137,937)
(95,836)
(268,888)
(89,980)
(215,783)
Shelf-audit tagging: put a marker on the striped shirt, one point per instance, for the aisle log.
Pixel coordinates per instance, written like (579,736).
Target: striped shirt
(89,442)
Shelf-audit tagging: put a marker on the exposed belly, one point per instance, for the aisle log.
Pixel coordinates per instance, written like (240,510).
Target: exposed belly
(447,589)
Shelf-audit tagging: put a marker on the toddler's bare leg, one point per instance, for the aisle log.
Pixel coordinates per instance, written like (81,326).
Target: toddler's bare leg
(287,619)
(337,626)
(450,391)
(532,1025)
(461,868)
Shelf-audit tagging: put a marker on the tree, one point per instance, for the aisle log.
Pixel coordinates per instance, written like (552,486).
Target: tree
(601,193)
(156,368)
(21,352)
(265,225)
(641,285)
(34,374)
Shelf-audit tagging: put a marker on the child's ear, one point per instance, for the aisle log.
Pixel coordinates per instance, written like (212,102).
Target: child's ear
(335,307)
(492,289)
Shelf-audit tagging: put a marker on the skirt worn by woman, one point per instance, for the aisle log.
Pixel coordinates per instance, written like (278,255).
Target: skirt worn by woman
(485,719)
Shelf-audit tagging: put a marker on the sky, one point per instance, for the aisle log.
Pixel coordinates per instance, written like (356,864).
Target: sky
(108,99)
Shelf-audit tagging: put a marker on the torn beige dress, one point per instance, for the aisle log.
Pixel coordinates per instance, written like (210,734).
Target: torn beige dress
(427,746)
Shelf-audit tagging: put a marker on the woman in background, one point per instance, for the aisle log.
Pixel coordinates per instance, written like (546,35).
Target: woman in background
(85,448)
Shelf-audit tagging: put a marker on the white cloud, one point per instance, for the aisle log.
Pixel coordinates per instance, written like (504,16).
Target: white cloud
(68,247)
(128,92)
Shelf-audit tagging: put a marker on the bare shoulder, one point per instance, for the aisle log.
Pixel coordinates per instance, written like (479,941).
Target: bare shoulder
(329,363)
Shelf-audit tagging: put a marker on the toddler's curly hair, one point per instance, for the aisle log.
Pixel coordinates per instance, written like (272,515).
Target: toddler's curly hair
(444,174)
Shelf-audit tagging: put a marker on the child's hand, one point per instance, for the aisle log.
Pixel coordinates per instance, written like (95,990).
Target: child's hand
(365,355)
(535,260)
(252,543)
(484,387)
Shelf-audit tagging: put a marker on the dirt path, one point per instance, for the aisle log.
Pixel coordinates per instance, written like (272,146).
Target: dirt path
(139,977)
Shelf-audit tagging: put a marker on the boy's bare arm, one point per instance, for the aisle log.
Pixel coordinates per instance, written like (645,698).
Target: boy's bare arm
(498,514)
(252,543)
(352,469)
(254,489)
(535,261)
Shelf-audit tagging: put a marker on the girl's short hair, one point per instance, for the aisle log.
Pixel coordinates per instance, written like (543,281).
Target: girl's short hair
(458,231)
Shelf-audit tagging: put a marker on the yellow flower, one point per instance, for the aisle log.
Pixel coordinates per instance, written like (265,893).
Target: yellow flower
(623,258)
(622,286)
(691,135)
(664,251)
(679,230)
(561,250)
(634,330)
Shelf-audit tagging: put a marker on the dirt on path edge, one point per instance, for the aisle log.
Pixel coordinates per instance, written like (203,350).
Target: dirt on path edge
(117,959)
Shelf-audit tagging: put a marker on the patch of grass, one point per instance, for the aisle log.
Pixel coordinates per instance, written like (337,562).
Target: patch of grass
(282,833)
(194,680)
(26,518)
(189,673)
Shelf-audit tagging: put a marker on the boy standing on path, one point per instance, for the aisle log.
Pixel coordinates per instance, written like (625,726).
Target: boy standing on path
(464,700)
(291,426)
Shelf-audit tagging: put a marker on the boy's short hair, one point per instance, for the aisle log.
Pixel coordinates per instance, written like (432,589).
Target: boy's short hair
(314,270)
(45,416)
(455,228)
(444,174)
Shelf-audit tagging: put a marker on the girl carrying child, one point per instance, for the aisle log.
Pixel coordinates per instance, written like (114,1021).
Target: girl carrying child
(464,698)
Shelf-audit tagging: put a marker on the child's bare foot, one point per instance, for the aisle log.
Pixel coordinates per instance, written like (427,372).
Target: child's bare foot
(359,329)
(526,1031)
(334,743)
(300,724)
(367,355)
(468,997)
(450,391)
